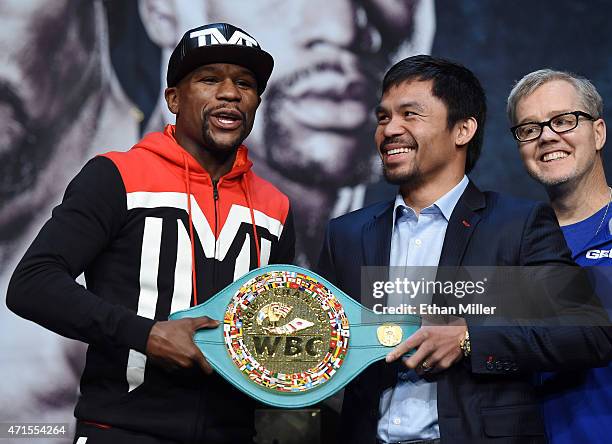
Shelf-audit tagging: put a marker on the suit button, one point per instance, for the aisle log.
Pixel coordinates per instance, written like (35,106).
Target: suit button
(507,366)
(489,366)
(514,367)
(498,365)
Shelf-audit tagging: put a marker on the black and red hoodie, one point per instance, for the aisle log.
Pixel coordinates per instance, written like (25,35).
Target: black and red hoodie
(147,250)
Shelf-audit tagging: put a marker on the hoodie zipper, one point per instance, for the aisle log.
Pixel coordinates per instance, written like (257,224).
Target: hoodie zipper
(216,201)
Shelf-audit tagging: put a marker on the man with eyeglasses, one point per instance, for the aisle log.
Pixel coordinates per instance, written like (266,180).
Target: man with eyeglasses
(557,118)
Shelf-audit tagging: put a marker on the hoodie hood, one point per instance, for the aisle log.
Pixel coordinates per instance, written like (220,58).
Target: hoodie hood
(186,166)
(164,145)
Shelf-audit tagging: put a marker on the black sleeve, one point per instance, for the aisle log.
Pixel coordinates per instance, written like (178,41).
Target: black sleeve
(43,288)
(284,252)
(537,348)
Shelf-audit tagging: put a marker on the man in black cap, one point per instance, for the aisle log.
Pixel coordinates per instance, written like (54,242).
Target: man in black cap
(157,229)
(311,135)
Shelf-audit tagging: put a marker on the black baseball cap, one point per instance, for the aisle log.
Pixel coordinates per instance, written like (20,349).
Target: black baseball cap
(219,43)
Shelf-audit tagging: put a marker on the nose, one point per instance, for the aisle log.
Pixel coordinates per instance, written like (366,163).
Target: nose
(336,23)
(393,128)
(548,135)
(228,91)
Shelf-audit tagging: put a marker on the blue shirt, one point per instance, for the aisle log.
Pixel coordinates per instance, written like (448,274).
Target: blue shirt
(409,409)
(578,405)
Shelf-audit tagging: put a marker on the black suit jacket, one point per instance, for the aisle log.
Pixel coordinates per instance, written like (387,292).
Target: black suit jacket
(490,396)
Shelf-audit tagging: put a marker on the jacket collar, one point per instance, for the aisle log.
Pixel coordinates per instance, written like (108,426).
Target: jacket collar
(461,225)
(376,234)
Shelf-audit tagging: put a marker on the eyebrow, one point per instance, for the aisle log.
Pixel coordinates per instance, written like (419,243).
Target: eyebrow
(379,109)
(409,104)
(247,72)
(551,114)
(412,104)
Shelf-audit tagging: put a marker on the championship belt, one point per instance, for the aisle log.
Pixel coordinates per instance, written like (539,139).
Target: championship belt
(290,338)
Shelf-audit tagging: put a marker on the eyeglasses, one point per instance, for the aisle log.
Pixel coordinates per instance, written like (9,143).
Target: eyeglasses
(559,124)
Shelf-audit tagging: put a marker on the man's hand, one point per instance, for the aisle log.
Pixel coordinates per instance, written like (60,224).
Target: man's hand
(171,343)
(437,347)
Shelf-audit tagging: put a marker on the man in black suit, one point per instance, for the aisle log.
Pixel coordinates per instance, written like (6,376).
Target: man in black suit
(464,382)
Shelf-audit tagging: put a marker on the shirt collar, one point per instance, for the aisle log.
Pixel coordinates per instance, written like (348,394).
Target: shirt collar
(445,204)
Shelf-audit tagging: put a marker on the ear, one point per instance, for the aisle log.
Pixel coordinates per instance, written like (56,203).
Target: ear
(465,130)
(159,18)
(599,126)
(172,99)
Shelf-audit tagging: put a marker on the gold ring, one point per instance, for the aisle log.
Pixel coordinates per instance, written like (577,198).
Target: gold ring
(425,365)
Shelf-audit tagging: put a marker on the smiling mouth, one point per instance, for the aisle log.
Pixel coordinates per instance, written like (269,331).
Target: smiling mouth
(227,119)
(392,147)
(395,151)
(555,155)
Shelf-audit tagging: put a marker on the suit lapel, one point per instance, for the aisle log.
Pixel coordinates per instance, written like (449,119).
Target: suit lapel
(376,238)
(376,242)
(461,226)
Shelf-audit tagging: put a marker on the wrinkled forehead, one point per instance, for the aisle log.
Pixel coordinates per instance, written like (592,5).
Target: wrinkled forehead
(547,100)
(413,90)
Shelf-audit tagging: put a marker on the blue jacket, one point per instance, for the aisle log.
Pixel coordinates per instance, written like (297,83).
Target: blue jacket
(490,396)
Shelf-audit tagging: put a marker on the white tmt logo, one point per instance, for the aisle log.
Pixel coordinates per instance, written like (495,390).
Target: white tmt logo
(216,38)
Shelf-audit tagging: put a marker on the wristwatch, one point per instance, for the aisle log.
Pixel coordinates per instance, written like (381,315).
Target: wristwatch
(465,344)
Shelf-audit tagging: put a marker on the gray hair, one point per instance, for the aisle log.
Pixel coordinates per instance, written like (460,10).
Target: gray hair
(590,98)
